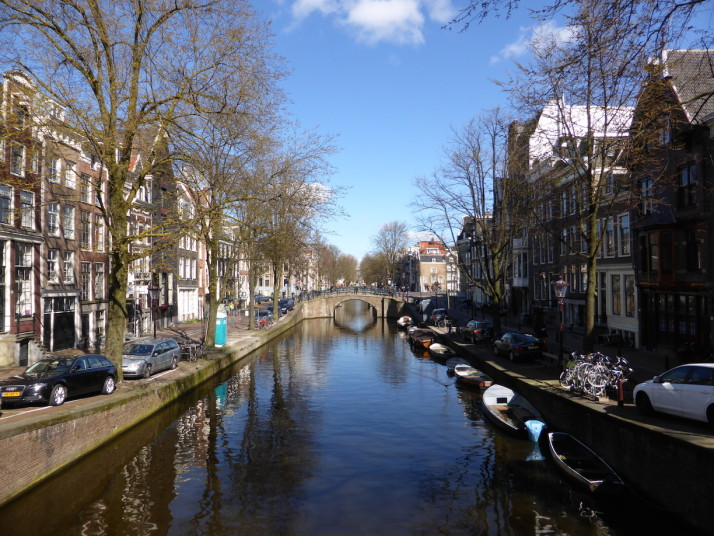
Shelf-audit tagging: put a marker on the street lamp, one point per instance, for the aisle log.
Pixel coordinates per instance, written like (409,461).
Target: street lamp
(561,289)
(154,297)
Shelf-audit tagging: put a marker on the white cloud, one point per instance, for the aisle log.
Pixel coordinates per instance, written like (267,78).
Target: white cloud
(304,8)
(373,21)
(399,21)
(535,38)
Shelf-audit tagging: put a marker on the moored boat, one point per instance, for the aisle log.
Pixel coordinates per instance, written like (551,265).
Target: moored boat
(421,337)
(440,351)
(582,465)
(468,375)
(510,411)
(405,321)
(452,362)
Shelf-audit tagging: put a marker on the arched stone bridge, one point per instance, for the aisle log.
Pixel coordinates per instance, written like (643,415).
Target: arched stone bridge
(324,306)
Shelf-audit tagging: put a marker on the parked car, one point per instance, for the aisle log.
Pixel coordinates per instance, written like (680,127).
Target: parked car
(437,315)
(53,380)
(142,357)
(263,313)
(518,345)
(685,391)
(286,304)
(259,298)
(478,331)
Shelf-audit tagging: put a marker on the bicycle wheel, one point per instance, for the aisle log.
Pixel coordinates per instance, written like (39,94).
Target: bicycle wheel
(598,377)
(566,379)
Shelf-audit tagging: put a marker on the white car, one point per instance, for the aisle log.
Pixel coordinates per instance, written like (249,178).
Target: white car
(686,391)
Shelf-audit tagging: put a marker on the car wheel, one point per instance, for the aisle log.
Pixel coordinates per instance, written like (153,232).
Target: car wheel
(174,362)
(109,386)
(710,415)
(58,395)
(147,370)
(644,406)
(511,356)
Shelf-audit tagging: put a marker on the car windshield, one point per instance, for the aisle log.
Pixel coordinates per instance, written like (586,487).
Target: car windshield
(525,338)
(137,349)
(50,367)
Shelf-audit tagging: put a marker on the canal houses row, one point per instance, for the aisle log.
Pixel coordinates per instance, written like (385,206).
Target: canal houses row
(654,272)
(54,244)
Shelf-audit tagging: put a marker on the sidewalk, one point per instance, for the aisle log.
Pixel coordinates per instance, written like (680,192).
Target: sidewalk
(645,364)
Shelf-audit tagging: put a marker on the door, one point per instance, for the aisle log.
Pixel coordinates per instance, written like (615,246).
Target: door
(667,396)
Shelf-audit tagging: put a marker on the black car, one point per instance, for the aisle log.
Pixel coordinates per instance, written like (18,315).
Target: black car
(517,345)
(478,331)
(53,380)
(438,315)
(286,305)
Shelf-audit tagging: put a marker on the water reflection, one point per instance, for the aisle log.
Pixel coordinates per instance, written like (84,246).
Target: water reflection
(331,431)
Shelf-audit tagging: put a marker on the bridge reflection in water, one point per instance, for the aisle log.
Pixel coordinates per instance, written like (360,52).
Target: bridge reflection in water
(336,429)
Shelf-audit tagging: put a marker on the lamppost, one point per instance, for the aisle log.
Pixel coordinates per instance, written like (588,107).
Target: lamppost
(154,297)
(561,289)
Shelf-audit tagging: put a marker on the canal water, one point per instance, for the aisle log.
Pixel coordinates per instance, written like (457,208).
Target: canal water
(337,429)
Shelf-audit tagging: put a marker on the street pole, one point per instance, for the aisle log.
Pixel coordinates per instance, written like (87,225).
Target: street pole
(154,297)
(562,325)
(561,289)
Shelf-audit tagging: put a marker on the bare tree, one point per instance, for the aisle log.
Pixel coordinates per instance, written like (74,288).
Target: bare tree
(120,68)
(375,269)
(473,193)
(391,242)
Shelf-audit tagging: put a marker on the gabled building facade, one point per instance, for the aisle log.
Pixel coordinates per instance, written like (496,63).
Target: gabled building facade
(673,224)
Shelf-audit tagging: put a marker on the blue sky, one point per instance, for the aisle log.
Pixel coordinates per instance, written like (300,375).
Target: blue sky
(387,80)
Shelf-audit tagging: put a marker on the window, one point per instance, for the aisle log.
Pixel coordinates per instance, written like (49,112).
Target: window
(98,281)
(68,221)
(85,190)
(70,174)
(85,229)
(23,279)
(687,195)
(98,232)
(27,209)
(21,114)
(616,297)
(647,195)
(17,159)
(69,267)
(665,133)
(35,161)
(86,278)
(52,166)
(5,204)
(610,247)
(52,260)
(630,295)
(693,251)
(53,218)
(623,227)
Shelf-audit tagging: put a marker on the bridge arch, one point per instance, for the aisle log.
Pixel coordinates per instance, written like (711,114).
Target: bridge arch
(324,306)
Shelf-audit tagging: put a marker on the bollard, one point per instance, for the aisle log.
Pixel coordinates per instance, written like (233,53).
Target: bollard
(666,362)
(620,393)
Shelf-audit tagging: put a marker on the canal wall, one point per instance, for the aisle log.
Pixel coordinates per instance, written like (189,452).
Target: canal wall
(40,445)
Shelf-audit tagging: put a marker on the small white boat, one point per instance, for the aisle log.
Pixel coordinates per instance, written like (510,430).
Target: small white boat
(405,321)
(452,362)
(510,411)
(440,351)
(581,464)
(468,375)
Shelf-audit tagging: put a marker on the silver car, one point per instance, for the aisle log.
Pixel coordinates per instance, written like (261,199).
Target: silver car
(142,357)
